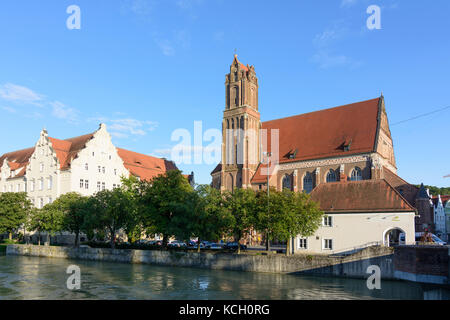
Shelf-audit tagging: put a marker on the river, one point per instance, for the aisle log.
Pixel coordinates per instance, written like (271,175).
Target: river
(45,278)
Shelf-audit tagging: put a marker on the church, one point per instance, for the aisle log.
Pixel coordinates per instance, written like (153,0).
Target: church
(342,156)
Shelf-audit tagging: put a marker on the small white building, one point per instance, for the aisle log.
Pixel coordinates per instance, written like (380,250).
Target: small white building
(439,203)
(358,214)
(85,164)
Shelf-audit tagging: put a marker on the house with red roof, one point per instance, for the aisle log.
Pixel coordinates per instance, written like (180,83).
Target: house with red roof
(85,164)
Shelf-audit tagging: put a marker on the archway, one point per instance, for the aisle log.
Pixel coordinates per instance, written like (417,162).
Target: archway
(391,237)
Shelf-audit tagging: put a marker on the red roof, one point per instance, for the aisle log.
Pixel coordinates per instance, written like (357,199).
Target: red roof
(360,196)
(143,166)
(140,165)
(326,133)
(444,199)
(17,160)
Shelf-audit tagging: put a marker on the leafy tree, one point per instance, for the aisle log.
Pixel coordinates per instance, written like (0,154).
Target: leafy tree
(208,218)
(164,202)
(436,190)
(134,226)
(109,210)
(242,207)
(48,219)
(74,208)
(14,208)
(295,215)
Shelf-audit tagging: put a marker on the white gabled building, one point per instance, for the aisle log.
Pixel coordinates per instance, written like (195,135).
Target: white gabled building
(84,164)
(440,218)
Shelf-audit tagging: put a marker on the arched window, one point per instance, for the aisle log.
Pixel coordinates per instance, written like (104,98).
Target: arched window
(287,182)
(236,96)
(307,182)
(331,176)
(356,174)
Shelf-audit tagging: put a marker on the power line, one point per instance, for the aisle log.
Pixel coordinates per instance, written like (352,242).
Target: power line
(420,116)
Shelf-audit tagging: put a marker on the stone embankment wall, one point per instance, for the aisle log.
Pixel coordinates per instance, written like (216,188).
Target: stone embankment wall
(349,266)
(426,264)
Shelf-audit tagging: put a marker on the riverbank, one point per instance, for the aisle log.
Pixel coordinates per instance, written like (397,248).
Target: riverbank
(353,266)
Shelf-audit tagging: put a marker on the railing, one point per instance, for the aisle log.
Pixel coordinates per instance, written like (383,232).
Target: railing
(352,250)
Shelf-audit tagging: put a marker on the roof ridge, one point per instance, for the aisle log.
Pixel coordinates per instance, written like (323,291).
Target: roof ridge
(321,110)
(399,194)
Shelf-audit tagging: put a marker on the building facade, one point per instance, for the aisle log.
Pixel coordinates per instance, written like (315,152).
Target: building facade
(345,145)
(85,164)
(351,142)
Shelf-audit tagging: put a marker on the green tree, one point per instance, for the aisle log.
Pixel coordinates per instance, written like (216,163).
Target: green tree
(134,226)
(48,219)
(242,206)
(208,219)
(14,209)
(109,210)
(290,214)
(74,208)
(164,202)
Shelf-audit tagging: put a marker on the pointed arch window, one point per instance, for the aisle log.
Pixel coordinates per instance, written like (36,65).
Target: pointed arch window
(331,176)
(307,182)
(236,96)
(287,182)
(356,174)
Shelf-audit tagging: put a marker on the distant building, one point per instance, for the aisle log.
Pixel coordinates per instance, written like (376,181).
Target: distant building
(85,164)
(440,217)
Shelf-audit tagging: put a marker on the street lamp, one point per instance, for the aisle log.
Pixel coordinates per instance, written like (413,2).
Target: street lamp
(268,155)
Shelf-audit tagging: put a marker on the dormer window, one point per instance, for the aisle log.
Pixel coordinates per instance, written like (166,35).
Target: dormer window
(347,145)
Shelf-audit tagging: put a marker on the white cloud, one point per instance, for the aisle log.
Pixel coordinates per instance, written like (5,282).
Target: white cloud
(325,55)
(348,3)
(166,47)
(9,109)
(19,94)
(124,127)
(61,111)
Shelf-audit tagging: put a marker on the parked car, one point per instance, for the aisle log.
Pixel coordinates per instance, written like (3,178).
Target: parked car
(155,243)
(234,246)
(215,246)
(434,238)
(142,242)
(176,244)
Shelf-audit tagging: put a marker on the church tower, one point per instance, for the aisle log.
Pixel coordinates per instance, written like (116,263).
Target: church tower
(240,127)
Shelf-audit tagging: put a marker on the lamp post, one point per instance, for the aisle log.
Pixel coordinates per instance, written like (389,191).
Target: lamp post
(268,155)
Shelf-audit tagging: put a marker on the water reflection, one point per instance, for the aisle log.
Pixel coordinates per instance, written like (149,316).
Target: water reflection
(43,278)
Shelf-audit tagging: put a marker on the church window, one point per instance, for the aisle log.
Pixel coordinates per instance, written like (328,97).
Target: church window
(308,183)
(236,96)
(356,174)
(331,176)
(287,182)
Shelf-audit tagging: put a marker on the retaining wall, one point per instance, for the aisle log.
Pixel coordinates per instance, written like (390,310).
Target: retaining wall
(350,266)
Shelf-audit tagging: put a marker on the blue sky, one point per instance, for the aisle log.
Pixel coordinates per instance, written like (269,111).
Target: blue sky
(149,67)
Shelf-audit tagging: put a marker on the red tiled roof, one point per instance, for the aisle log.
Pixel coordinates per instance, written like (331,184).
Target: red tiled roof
(67,150)
(324,133)
(143,166)
(407,190)
(17,159)
(444,199)
(360,196)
